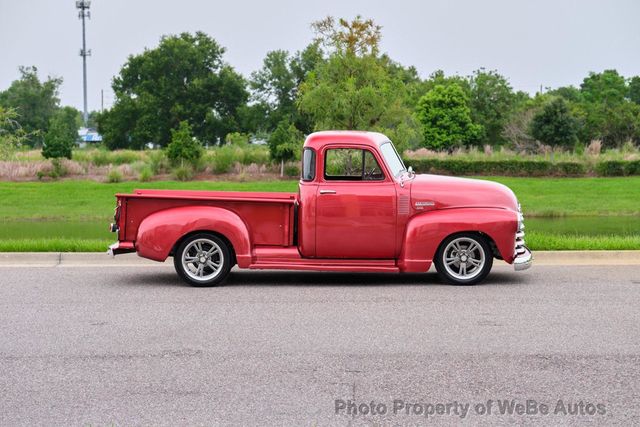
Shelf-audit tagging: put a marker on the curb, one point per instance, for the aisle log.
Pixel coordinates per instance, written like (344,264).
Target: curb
(101,259)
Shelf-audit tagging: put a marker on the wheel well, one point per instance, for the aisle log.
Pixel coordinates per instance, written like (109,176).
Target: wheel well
(486,237)
(221,236)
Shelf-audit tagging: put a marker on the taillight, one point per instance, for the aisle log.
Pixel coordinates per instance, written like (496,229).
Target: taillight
(114,227)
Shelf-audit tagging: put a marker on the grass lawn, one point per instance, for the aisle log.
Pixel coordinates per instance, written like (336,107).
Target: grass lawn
(92,201)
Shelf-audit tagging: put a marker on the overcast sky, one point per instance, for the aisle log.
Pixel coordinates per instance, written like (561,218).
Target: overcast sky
(542,42)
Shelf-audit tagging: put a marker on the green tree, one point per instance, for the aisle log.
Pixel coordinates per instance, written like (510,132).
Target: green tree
(445,118)
(285,143)
(183,146)
(554,125)
(634,89)
(62,134)
(491,101)
(606,111)
(275,86)
(359,37)
(34,101)
(12,135)
(355,88)
(184,78)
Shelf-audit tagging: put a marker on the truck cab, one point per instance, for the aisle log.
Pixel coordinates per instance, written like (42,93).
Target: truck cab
(358,208)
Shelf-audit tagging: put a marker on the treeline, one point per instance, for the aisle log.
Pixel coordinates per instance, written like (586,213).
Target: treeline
(183,89)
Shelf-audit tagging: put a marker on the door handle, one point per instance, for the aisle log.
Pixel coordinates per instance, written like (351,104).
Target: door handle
(327,191)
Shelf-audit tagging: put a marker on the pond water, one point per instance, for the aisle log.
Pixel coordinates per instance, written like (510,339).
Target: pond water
(589,226)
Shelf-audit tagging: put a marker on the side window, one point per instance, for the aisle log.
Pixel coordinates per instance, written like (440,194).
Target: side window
(308,164)
(351,164)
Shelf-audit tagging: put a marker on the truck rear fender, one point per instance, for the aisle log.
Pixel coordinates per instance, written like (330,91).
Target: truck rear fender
(426,231)
(159,232)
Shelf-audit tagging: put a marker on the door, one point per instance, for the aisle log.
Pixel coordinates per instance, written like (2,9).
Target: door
(355,207)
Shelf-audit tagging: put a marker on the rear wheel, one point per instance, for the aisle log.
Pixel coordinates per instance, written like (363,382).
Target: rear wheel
(203,260)
(464,259)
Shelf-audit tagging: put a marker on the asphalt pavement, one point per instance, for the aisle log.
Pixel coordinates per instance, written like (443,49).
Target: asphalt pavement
(132,345)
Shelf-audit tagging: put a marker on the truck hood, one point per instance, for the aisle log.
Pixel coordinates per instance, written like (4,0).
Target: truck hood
(430,192)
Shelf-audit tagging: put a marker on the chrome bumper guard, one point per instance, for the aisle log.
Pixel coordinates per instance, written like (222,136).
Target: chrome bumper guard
(523,256)
(523,260)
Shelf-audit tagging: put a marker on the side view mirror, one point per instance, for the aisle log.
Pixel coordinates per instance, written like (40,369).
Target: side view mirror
(410,170)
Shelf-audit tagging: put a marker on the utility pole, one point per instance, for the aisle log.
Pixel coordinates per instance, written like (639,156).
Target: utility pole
(83,6)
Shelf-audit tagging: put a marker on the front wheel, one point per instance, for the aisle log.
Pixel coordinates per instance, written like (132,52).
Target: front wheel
(464,259)
(203,260)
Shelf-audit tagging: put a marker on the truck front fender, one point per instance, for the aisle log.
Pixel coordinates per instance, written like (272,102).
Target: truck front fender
(426,231)
(159,232)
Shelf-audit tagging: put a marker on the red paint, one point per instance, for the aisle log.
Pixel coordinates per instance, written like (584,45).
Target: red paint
(393,224)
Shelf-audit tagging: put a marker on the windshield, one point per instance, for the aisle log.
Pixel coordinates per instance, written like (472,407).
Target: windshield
(392,158)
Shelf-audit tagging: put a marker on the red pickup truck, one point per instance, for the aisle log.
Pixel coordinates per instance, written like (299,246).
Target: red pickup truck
(357,209)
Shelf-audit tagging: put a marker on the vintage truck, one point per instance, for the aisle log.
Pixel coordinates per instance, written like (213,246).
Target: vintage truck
(357,209)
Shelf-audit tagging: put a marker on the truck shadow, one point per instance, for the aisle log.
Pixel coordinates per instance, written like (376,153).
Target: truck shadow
(324,279)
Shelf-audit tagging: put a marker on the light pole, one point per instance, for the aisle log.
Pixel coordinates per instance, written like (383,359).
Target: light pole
(83,6)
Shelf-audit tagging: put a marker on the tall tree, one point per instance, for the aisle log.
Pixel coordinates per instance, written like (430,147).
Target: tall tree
(275,86)
(184,78)
(34,101)
(355,88)
(491,101)
(445,118)
(608,115)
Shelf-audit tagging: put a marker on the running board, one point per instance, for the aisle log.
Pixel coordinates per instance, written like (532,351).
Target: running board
(319,266)
(279,258)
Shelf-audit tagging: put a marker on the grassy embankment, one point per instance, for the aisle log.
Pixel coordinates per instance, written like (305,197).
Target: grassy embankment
(75,201)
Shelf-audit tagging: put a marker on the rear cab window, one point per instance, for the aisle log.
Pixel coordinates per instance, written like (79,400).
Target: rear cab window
(308,164)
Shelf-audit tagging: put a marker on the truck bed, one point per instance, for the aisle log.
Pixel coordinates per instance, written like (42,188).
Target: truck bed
(268,216)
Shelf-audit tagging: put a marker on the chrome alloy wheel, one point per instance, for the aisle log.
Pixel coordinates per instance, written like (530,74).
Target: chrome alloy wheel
(463,258)
(202,260)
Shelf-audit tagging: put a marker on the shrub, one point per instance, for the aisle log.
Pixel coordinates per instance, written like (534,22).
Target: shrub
(292,170)
(61,136)
(58,168)
(632,167)
(146,174)
(183,148)
(223,160)
(183,173)
(611,168)
(100,158)
(114,176)
(158,162)
(237,139)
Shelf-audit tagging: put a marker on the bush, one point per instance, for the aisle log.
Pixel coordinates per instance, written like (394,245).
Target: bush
(146,174)
(611,168)
(100,158)
(497,167)
(58,169)
(292,170)
(183,173)
(183,148)
(158,162)
(114,176)
(223,159)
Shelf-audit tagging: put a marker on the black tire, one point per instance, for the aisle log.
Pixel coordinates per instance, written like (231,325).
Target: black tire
(203,246)
(452,272)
